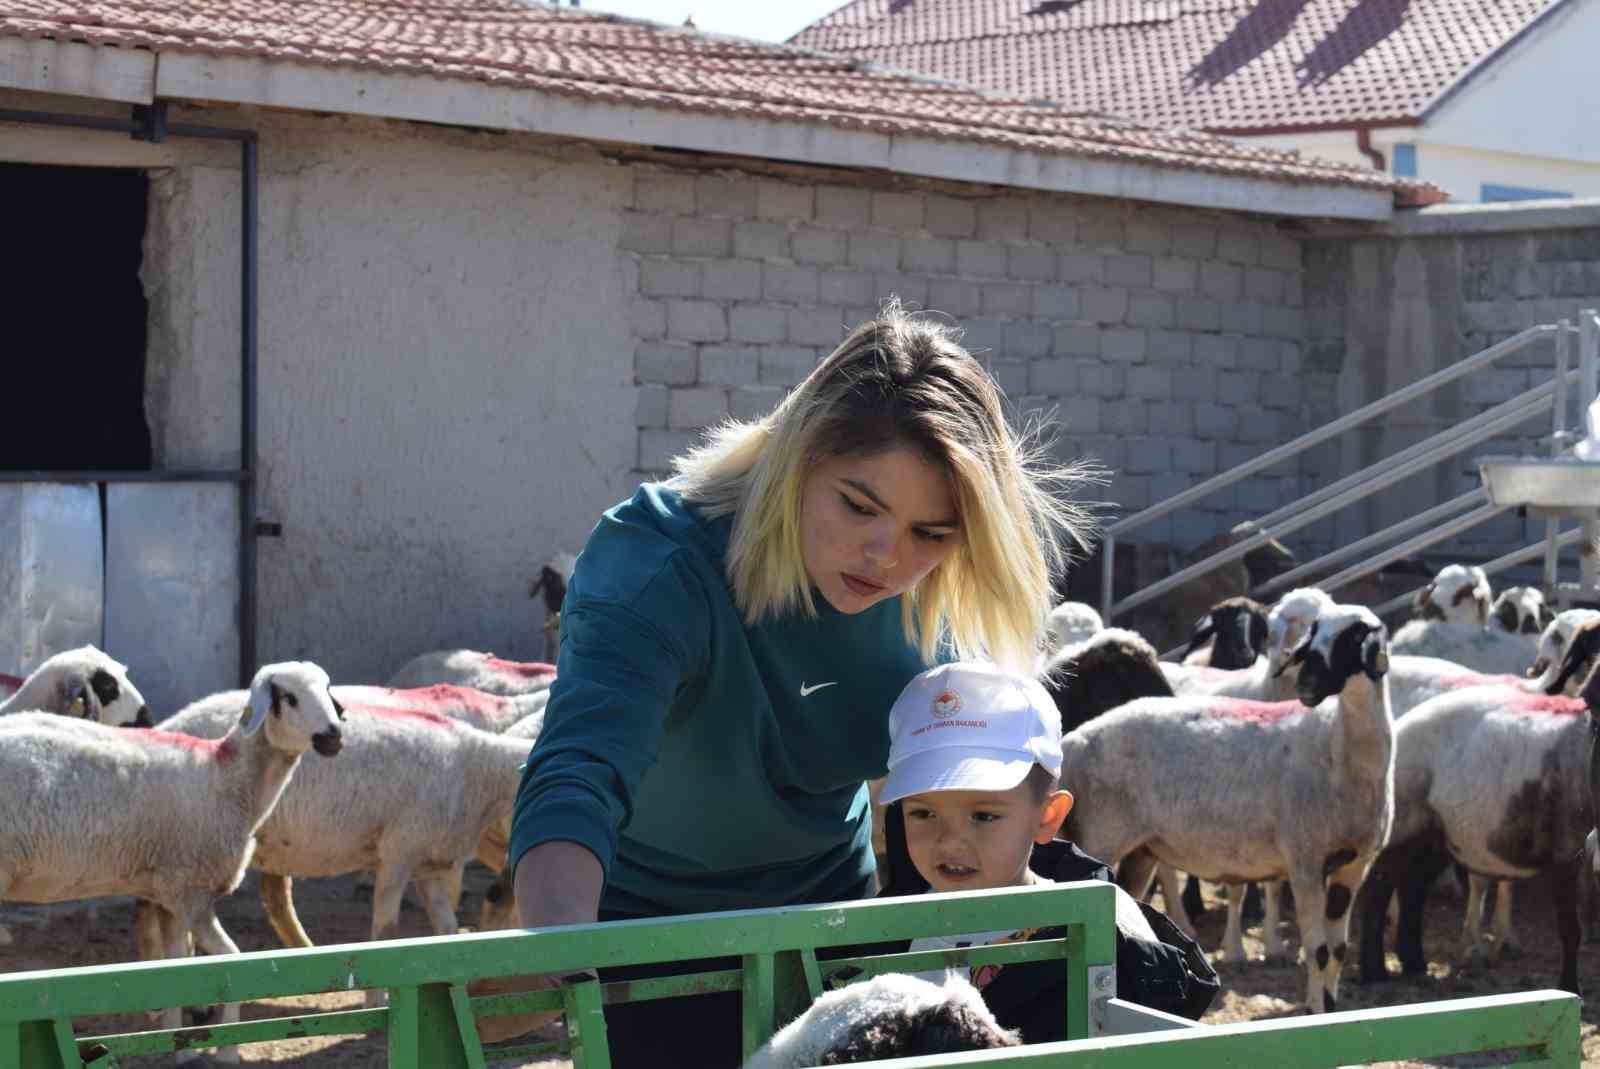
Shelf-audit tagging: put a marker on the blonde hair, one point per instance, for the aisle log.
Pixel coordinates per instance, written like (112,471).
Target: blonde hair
(901,380)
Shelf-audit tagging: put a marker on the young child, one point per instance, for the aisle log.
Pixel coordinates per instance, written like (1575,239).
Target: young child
(975,766)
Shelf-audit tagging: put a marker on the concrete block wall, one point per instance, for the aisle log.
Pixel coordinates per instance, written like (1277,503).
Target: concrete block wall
(1382,311)
(1165,343)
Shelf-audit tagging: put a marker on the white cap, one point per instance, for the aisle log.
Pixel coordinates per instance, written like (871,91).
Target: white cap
(969,726)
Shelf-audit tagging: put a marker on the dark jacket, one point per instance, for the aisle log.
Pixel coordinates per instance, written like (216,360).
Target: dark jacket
(1171,975)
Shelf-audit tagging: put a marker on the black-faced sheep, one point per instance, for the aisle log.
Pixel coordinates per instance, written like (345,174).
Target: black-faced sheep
(1231,635)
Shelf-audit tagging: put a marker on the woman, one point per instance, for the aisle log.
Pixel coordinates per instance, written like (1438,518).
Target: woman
(732,640)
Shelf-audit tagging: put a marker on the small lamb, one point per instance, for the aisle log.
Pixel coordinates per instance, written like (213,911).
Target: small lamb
(166,818)
(83,683)
(889,1016)
(1451,622)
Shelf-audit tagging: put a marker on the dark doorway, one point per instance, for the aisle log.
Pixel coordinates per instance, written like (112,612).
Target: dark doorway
(73,316)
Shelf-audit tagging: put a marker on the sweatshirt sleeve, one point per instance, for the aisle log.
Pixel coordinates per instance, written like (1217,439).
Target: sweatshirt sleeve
(630,641)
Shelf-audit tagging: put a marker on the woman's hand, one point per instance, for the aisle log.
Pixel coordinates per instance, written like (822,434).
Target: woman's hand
(556,883)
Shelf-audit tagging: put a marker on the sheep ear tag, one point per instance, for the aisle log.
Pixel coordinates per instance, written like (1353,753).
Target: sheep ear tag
(261,698)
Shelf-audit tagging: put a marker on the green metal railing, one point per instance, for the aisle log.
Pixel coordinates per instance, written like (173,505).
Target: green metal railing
(430,1021)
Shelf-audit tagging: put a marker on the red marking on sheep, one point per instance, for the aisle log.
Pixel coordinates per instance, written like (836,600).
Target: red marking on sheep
(520,669)
(1547,704)
(11,684)
(1256,712)
(403,712)
(447,696)
(1476,679)
(220,750)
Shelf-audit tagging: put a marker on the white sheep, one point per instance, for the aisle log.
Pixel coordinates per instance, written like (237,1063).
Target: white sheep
(84,683)
(1451,622)
(475,669)
(1520,610)
(415,796)
(1237,790)
(888,1016)
(1496,778)
(167,818)
(1070,623)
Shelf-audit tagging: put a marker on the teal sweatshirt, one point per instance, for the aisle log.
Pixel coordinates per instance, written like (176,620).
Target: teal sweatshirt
(708,765)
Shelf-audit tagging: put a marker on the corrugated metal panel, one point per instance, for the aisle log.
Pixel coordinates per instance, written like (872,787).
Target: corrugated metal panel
(52,583)
(172,588)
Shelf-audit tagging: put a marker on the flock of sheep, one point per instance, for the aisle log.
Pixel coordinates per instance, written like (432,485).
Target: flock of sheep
(409,781)
(1296,742)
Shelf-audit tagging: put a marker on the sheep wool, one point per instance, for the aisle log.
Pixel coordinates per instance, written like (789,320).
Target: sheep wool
(890,1016)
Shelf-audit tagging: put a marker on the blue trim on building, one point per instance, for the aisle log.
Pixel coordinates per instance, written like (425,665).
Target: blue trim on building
(1404,163)
(1491,192)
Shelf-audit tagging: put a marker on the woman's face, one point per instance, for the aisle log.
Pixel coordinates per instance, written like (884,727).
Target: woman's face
(872,526)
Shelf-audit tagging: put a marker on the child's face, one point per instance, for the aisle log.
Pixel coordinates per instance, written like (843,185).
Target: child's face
(974,840)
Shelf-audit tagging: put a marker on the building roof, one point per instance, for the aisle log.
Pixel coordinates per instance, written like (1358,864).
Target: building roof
(604,58)
(1236,66)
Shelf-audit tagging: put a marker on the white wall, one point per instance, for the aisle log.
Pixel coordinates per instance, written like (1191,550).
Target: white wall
(1460,171)
(1540,98)
(1527,120)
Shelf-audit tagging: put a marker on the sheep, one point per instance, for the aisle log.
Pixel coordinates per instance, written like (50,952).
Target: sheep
(1237,790)
(167,818)
(1232,634)
(487,712)
(1070,623)
(1520,610)
(474,669)
(1452,614)
(889,1016)
(1268,677)
(1496,778)
(84,683)
(1457,595)
(1110,669)
(416,795)
(1553,641)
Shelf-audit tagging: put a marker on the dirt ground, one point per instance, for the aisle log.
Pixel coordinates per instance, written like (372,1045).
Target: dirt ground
(334,911)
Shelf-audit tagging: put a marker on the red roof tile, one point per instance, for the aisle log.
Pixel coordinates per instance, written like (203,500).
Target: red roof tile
(601,57)
(1225,65)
